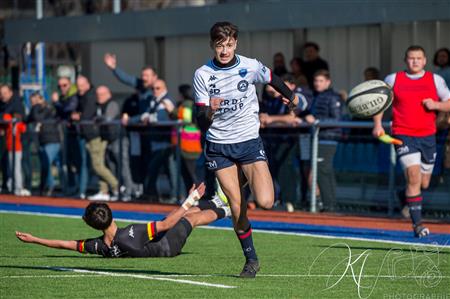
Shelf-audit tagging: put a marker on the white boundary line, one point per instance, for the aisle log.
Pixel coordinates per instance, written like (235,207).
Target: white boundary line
(50,276)
(160,278)
(101,273)
(255,230)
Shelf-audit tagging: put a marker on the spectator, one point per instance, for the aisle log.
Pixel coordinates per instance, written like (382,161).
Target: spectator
(159,110)
(107,111)
(190,142)
(326,106)
(10,104)
(279,64)
(43,117)
(14,150)
(143,85)
(442,62)
(139,143)
(86,112)
(312,62)
(65,102)
(300,79)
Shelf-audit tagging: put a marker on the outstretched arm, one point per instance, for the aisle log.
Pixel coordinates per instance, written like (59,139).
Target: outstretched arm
(59,244)
(172,219)
(111,62)
(288,96)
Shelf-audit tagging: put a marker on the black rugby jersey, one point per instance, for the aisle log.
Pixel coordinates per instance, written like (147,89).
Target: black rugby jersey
(130,241)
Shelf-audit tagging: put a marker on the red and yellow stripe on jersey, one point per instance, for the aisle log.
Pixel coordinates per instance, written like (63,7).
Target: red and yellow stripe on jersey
(151,230)
(80,246)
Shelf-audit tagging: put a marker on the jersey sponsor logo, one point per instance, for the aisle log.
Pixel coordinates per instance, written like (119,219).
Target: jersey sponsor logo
(242,86)
(231,105)
(212,78)
(402,150)
(213,90)
(131,232)
(243,73)
(211,164)
(263,69)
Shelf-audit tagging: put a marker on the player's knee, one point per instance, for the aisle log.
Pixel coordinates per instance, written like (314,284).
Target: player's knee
(266,204)
(425,184)
(414,179)
(191,219)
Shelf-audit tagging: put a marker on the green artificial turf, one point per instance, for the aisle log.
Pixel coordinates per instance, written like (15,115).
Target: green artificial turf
(291,267)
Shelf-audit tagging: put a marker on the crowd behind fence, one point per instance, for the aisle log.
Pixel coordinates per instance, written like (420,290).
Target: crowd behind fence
(367,174)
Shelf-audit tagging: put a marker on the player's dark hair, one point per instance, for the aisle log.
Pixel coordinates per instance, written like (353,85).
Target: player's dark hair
(414,48)
(98,215)
(323,73)
(446,50)
(311,44)
(220,31)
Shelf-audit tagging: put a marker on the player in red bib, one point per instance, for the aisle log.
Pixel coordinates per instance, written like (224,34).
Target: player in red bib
(418,95)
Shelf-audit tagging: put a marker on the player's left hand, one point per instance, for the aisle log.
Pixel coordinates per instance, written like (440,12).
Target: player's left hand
(429,104)
(24,237)
(292,105)
(200,189)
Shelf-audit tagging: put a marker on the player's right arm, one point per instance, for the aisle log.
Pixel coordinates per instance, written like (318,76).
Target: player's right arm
(205,106)
(378,129)
(59,244)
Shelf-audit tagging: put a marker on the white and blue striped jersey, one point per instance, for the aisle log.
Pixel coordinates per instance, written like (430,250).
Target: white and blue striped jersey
(237,118)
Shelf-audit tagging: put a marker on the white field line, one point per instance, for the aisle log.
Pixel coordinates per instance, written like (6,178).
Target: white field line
(50,276)
(160,278)
(274,232)
(100,274)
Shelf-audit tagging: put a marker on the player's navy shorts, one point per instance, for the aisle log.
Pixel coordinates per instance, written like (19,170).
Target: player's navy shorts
(172,242)
(219,156)
(417,151)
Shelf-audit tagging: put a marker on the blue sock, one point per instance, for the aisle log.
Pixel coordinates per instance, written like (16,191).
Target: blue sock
(247,244)
(415,208)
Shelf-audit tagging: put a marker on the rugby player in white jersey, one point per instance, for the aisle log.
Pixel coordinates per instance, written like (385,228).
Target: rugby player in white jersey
(227,101)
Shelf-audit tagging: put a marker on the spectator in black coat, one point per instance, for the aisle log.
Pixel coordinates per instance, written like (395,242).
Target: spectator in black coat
(44,121)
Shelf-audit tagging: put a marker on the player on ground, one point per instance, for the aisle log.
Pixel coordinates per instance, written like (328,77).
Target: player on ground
(163,238)
(418,95)
(227,102)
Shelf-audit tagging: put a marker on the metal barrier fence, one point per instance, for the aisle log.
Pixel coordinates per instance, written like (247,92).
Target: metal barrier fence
(313,130)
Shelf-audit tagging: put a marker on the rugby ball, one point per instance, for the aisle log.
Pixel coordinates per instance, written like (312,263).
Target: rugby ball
(369,98)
